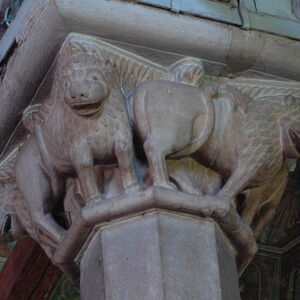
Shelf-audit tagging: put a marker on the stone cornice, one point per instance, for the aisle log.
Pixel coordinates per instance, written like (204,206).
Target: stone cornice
(31,43)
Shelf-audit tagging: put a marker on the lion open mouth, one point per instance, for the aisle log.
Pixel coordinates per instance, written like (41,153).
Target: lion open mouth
(88,108)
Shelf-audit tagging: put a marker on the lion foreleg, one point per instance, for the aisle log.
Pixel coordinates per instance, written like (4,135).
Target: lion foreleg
(236,183)
(88,182)
(124,154)
(84,166)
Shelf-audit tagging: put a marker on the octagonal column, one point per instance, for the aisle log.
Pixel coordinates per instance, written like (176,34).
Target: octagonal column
(159,255)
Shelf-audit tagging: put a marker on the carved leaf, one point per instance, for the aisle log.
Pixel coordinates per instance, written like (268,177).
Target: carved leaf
(7,165)
(256,91)
(188,71)
(118,67)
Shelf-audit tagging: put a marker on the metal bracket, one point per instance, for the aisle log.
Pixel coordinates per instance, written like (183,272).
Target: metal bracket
(5,23)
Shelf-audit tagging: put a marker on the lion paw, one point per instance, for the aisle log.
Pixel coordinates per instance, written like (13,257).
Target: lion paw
(220,205)
(133,188)
(223,206)
(167,185)
(93,201)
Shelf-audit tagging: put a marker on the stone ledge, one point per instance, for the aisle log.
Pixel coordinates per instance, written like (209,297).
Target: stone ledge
(103,211)
(100,213)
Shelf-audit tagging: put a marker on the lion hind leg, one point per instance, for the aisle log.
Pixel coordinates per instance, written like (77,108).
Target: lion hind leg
(83,162)
(48,231)
(241,236)
(37,191)
(272,199)
(88,183)
(157,163)
(251,204)
(236,182)
(239,232)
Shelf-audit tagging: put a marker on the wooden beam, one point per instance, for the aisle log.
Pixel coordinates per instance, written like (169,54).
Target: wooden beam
(28,273)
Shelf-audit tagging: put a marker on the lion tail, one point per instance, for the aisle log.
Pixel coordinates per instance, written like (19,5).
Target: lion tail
(11,198)
(202,129)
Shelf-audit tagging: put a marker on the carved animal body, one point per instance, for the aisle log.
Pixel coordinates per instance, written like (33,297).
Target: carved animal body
(244,140)
(85,125)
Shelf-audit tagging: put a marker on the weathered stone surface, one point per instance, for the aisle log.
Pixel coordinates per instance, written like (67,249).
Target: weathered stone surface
(105,124)
(159,255)
(117,135)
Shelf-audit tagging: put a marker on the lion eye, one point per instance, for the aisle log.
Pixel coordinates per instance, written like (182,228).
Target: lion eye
(95,78)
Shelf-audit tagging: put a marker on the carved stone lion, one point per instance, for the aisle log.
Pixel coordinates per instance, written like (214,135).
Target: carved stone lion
(78,136)
(80,144)
(84,124)
(244,140)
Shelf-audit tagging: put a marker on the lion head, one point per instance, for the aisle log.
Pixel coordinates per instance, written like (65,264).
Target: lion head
(83,84)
